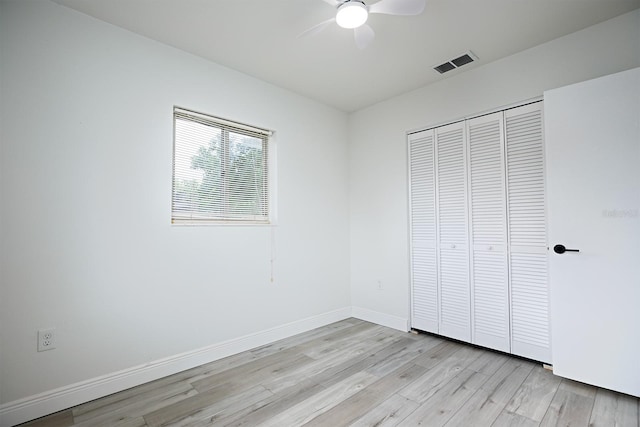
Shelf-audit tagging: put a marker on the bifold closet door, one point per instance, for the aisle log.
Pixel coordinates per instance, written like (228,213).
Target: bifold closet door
(530,334)
(424,277)
(452,238)
(479,234)
(489,262)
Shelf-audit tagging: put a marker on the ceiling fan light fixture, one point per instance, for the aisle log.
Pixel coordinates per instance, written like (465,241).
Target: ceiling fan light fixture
(352,14)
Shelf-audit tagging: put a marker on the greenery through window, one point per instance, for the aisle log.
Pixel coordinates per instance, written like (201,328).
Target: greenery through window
(219,171)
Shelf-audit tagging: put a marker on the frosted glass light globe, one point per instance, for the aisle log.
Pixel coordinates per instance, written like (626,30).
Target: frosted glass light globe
(352,14)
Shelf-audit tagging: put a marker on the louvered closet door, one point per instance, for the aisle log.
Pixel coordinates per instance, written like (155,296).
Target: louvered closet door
(527,232)
(489,270)
(424,278)
(453,261)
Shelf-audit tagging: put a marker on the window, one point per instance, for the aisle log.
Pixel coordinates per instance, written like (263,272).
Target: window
(220,171)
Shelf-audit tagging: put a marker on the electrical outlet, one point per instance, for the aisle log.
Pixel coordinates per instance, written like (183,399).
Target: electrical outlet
(46,339)
(379,285)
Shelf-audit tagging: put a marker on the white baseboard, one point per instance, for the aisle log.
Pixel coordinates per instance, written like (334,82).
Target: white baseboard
(379,318)
(42,404)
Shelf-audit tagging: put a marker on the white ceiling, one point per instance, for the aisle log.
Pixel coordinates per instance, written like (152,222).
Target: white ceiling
(259,38)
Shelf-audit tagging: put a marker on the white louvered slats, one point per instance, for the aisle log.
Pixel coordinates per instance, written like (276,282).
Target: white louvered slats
(455,318)
(424,278)
(489,279)
(478,232)
(451,174)
(527,232)
(490,300)
(530,303)
(454,307)
(525,173)
(424,313)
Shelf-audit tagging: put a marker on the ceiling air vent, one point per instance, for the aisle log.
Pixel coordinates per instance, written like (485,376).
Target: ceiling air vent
(443,68)
(452,64)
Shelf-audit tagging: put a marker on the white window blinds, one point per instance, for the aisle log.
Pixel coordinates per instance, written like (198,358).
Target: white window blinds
(220,171)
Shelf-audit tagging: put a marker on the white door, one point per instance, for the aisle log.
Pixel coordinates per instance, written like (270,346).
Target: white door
(453,257)
(424,265)
(593,163)
(489,272)
(527,232)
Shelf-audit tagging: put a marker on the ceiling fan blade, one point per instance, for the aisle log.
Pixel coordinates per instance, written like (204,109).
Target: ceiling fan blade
(332,2)
(317,28)
(398,7)
(363,35)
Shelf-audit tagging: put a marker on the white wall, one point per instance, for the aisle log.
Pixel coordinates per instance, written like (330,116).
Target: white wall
(87,245)
(377,143)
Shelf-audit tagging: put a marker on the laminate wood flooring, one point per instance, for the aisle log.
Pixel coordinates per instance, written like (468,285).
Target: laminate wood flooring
(354,373)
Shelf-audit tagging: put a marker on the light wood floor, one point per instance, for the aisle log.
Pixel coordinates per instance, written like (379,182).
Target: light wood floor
(356,373)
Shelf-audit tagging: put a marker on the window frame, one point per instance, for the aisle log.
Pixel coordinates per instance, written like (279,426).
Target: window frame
(268,161)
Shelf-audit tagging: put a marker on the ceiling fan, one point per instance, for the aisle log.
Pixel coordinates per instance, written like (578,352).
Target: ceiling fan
(354,13)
